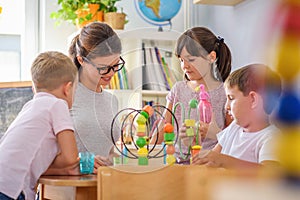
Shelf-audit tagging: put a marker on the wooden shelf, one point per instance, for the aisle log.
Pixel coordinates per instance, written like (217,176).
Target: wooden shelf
(154,93)
(15,84)
(219,2)
(149,33)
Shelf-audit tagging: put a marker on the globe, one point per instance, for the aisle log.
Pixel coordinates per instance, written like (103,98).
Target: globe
(158,12)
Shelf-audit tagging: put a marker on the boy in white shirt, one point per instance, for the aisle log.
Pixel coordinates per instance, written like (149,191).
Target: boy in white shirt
(248,141)
(41,139)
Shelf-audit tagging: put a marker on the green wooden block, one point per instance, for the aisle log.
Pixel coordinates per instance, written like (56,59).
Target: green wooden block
(143,161)
(169,137)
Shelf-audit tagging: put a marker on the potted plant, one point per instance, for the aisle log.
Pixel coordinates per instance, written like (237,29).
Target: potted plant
(79,12)
(115,19)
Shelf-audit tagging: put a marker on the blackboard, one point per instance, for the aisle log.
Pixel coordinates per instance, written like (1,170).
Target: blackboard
(11,103)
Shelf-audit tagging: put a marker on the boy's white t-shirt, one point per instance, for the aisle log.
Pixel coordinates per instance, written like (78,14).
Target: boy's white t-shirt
(253,147)
(29,145)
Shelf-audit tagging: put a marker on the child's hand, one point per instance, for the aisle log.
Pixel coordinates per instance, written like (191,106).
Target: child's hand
(74,169)
(203,129)
(182,131)
(207,157)
(185,140)
(101,161)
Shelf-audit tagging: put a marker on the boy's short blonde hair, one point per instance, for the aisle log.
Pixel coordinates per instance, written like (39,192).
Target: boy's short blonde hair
(51,69)
(258,78)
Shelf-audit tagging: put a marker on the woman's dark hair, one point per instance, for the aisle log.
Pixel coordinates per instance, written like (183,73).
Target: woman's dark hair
(200,41)
(95,39)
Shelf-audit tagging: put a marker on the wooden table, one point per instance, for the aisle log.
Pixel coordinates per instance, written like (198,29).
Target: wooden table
(82,187)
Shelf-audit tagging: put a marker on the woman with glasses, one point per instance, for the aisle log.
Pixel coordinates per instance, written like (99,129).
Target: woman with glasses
(96,52)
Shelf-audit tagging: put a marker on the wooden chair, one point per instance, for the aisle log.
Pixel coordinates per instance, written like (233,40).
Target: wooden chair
(152,182)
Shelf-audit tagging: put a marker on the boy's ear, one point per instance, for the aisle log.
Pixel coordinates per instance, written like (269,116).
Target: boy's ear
(68,88)
(255,98)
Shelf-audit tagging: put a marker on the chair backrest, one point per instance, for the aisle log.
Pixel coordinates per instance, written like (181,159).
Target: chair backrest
(152,182)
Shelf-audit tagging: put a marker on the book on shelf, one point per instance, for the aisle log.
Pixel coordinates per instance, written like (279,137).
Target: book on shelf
(160,65)
(150,80)
(157,74)
(119,80)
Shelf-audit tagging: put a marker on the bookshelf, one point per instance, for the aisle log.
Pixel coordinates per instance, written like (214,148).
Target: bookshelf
(151,85)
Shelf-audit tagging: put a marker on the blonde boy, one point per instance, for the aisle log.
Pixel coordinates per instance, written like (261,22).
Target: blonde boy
(251,92)
(41,136)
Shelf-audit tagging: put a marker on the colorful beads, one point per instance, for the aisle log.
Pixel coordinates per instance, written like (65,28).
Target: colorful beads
(189,122)
(168,128)
(140,142)
(143,140)
(169,138)
(149,110)
(193,103)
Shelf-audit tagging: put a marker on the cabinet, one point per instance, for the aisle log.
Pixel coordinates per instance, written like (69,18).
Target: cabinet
(219,2)
(134,44)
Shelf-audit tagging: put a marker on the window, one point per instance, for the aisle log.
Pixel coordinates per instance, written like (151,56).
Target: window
(18,38)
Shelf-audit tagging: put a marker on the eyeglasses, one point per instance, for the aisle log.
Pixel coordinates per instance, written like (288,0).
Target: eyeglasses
(106,68)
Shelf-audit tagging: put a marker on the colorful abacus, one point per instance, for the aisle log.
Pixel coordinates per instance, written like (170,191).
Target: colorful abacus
(141,132)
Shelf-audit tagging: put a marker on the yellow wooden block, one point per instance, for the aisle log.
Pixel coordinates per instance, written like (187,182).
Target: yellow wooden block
(141,128)
(190,132)
(189,122)
(142,152)
(170,159)
(141,119)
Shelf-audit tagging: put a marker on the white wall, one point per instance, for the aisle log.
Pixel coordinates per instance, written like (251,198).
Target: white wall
(244,27)
(56,38)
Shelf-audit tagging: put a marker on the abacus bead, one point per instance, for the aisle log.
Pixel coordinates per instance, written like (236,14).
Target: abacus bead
(193,103)
(143,160)
(169,137)
(189,122)
(149,110)
(170,159)
(141,128)
(169,142)
(140,142)
(170,149)
(168,128)
(140,134)
(145,114)
(141,119)
(142,152)
(190,131)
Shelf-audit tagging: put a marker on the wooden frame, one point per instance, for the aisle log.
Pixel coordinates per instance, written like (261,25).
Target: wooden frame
(15,84)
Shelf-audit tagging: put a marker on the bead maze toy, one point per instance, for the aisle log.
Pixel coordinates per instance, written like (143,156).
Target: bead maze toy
(141,126)
(204,114)
(142,120)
